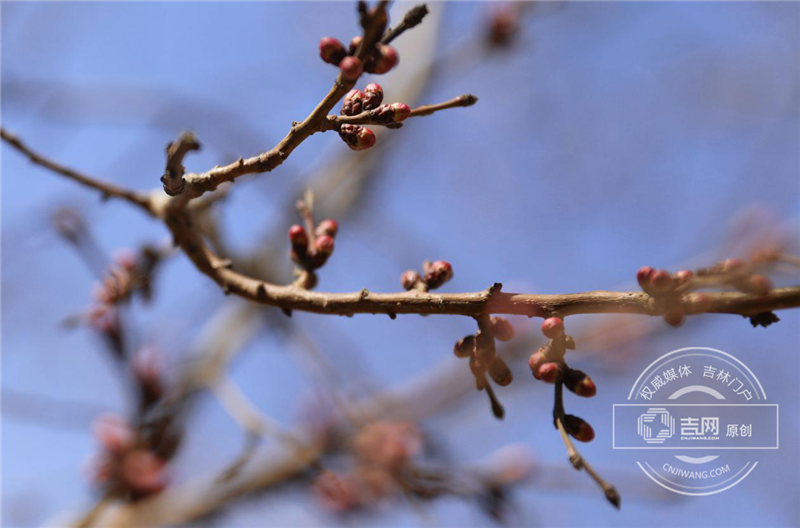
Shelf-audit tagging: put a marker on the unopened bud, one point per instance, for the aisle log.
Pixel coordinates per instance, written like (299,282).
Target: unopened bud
(465,347)
(438,273)
(553,327)
(502,329)
(643,276)
(327,227)
(401,111)
(578,428)
(351,68)
(298,238)
(578,382)
(357,137)
(409,279)
(353,103)
(500,372)
(331,50)
(386,60)
(373,96)
(551,372)
(661,281)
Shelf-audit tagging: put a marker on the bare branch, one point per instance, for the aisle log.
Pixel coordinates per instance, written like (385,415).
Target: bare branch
(374,117)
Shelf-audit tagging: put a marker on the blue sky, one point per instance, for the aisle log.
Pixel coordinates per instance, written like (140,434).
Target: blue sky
(614,135)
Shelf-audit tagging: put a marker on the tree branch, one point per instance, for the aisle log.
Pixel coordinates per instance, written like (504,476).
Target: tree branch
(108,190)
(372,117)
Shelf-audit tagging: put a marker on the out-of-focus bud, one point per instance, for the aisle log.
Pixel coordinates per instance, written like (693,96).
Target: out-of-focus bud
(578,428)
(331,50)
(409,279)
(386,60)
(351,68)
(500,372)
(465,347)
(553,327)
(438,273)
(387,444)
(327,227)
(113,433)
(143,472)
(336,492)
(502,329)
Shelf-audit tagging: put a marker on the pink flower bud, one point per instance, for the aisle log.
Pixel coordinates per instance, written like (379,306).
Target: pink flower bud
(357,137)
(298,237)
(353,103)
(500,372)
(661,281)
(755,284)
(143,472)
(126,259)
(386,60)
(438,273)
(355,42)
(387,444)
(536,360)
(331,50)
(553,327)
(327,227)
(465,347)
(731,265)
(351,68)
(336,492)
(323,245)
(643,276)
(409,279)
(578,428)
(502,329)
(114,433)
(683,276)
(373,96)
(551,372)
(401,111)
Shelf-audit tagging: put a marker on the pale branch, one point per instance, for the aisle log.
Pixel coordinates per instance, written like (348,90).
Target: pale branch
(575,458)
(374,117)
(107,190)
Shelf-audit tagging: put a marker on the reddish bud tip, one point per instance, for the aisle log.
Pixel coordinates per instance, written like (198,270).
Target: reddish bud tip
(298,236)
(732,264)
(331,50)
(327,227)
(500,372)
(578,382)
(502,329)
(373,96)
(553,327)
(113,433)
(438,273)
(643,276)
(661,281)
(357,137)
(401,111)
(351,68)
(386,60)
(536,360)
(353,103)
(323,245)
(674,317)
(550,372)
(578,428)
(355,42)
(684,276)
(465,347)
(143,472)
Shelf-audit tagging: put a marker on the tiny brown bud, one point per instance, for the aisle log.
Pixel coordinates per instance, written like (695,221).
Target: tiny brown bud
(500,372)
(351,68)
(409,279)
(465,347)
(755,284)
(438,273)
(553,327)
(578,428)
(502,329)
(569,342)
(578,382)
(327,227)
(331,50)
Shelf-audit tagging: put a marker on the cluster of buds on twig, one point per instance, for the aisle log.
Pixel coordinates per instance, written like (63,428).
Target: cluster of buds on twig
(547,364)
(383,451)
(355,102)
(126,467)
(672,291)
(312,247)
(380,59)
(483,359)
(148,371)
(434,275)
